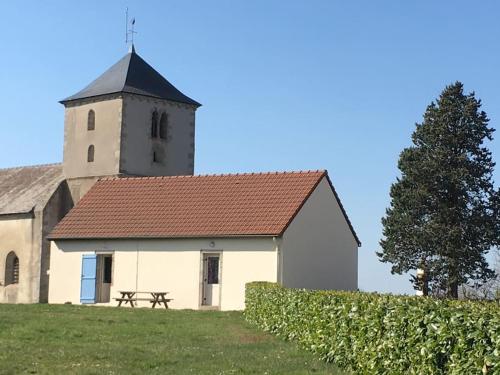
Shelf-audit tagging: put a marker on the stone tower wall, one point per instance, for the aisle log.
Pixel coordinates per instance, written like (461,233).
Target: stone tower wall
(175,154)
(122,140)
(105,137)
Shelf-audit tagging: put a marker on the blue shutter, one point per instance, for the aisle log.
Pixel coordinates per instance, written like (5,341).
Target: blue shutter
(89,266)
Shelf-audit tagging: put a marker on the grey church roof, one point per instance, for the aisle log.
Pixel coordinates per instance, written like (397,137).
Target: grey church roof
(24,189)
(135,76)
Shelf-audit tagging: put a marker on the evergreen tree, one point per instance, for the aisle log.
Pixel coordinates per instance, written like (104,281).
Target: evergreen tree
(444,213)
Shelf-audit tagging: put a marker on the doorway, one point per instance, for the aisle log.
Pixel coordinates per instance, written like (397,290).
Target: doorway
(104,277)
(211,279)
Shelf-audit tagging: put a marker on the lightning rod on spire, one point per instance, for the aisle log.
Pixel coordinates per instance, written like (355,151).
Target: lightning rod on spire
(129,31)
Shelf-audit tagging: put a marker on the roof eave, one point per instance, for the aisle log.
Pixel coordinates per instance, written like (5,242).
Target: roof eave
(303,202)
(69,100)
(30,213)
(179,237)
(344,211)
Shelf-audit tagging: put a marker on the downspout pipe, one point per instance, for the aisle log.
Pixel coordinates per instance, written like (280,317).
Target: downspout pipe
(279,256)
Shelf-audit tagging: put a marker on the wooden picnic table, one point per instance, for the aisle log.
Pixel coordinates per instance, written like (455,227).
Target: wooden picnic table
(156,298)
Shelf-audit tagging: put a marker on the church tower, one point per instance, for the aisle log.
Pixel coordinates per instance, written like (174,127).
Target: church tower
(128,122)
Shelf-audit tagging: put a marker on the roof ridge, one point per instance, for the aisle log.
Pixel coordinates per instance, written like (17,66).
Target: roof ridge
(31,166)
(310,171)
(130,55)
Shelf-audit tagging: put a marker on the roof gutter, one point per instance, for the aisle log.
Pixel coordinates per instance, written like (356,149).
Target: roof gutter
(61,238)
(21,215)
(94,97)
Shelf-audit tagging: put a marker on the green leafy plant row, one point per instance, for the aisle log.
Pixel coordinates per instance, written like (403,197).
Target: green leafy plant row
(370,333)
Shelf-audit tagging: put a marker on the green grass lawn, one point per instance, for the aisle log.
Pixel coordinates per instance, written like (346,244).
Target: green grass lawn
(63,339)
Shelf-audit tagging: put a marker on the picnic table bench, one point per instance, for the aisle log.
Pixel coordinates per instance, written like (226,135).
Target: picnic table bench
(156,298)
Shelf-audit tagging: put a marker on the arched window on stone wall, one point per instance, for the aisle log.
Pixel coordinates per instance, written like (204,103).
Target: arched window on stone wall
(90,154)
(163,125)
(154,125)
(11,269)
(91,120)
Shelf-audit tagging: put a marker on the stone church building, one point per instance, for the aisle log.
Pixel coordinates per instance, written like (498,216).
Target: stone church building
(124,214)
(128,122)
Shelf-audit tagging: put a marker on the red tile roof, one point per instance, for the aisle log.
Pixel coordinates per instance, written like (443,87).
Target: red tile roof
(189,206)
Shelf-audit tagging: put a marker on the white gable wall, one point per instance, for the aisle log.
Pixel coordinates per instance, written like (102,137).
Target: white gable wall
(318,249)
(165,265)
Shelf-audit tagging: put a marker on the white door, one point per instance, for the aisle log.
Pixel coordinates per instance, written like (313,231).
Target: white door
(211,279)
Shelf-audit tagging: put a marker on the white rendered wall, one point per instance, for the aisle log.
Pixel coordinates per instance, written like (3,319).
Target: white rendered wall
(173,266)
(318,250)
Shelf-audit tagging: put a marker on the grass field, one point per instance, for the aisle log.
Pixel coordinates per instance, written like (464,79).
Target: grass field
(63,339)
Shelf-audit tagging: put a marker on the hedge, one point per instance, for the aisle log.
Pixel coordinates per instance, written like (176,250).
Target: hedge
(370,333)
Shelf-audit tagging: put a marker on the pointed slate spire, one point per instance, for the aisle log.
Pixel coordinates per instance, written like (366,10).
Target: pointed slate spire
(132,75)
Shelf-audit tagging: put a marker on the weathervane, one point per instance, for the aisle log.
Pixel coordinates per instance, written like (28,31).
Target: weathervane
(129,30)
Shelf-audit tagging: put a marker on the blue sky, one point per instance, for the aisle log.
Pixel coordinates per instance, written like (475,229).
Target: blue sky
(292,85)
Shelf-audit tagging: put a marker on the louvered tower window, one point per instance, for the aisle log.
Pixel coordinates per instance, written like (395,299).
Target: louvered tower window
(15,271)
(154,125)
(163,126)
(11,269)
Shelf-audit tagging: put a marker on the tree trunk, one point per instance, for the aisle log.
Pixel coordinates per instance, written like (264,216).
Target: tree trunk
(425,285)
(453,291)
